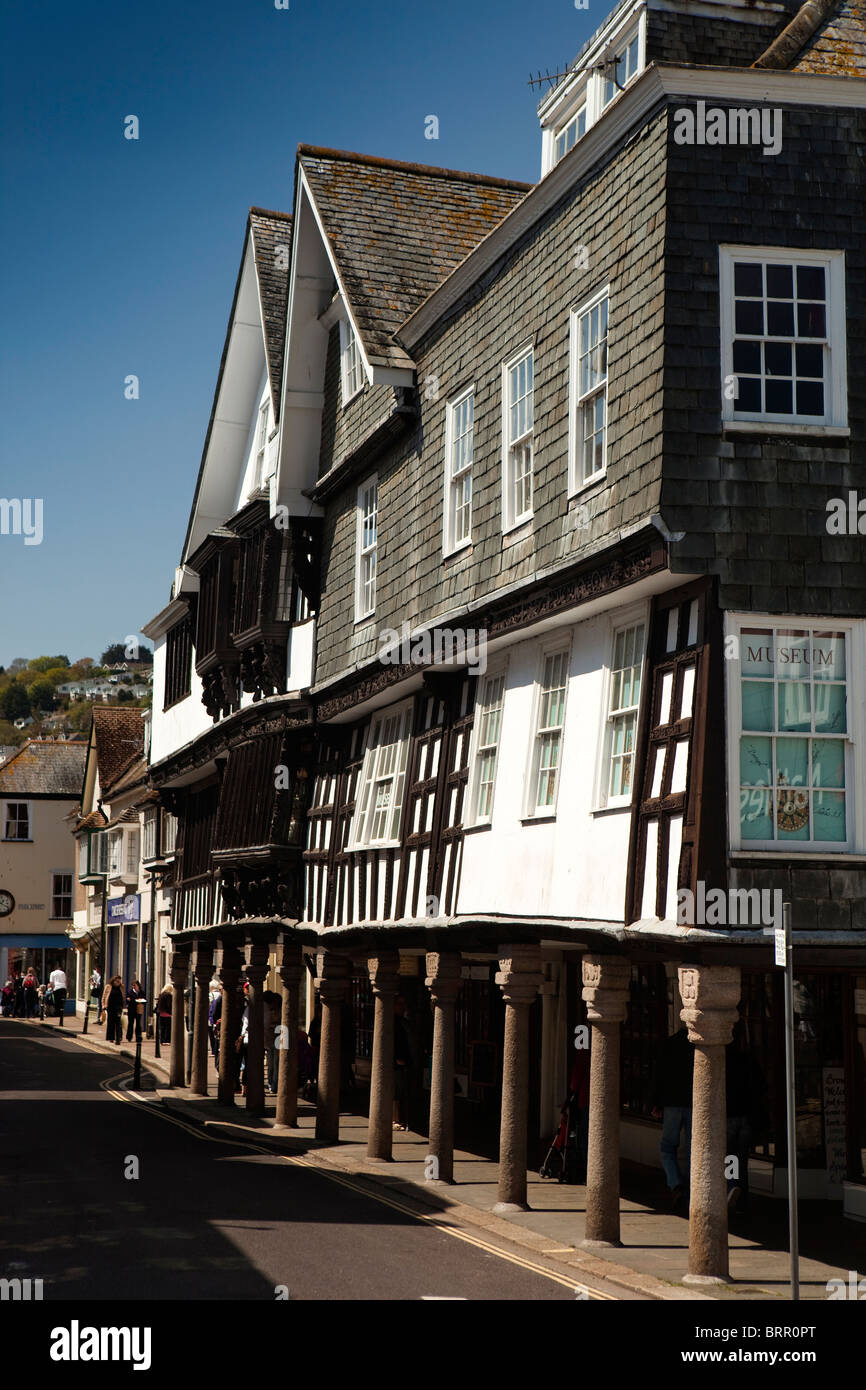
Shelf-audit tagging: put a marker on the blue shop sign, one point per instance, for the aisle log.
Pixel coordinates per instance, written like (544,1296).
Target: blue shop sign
(126,909)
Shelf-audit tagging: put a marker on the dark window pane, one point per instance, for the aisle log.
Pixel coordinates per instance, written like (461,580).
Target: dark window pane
(810,281)
(748,394)
(777,359)
(780,319)
(780,282)
(810,398)
(811,320)
(749,318)
(779,397)
(747,357)
(748,278)
(810,361)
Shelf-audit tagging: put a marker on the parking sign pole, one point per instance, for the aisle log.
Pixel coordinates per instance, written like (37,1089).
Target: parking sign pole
(785,956)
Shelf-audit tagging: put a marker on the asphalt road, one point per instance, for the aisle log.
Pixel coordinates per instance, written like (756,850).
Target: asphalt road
(202,1219)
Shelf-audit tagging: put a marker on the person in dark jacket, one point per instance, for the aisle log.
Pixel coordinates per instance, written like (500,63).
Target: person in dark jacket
(133,1017)
(746,1110)
(112,1004)
(402,1064)
(31,994)
(162,1009)
(672,1104)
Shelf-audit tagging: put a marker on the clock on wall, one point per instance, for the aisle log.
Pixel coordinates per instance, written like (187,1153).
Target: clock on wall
(7,903)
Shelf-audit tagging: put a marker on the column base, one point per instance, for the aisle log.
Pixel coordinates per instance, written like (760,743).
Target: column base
(602,1244)
(508,1208)
(378,1158)
(707,1279)
(444,1182)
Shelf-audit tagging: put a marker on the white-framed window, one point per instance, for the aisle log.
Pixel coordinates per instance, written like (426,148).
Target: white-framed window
(16,820)
(783,335)
(796,752)
(367,531)
(627,66)
(487,737)
(148,839)
(459,447)
(169,832)
(383,779)
(570,133)
(261,442)
(61,895)
(115,852)
(99,852)
(588,392)
(132,842)
(622,705)
(546,758)
(517,399)
(351,366)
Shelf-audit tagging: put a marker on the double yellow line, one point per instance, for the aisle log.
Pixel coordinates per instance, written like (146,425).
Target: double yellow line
(431,1219)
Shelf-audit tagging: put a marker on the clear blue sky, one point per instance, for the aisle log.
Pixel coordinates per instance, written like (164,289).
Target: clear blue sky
(120,256)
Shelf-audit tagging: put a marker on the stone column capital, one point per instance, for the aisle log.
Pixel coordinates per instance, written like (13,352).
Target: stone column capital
(384,972)
(203,968)
(606,981)
(333,974)
(179,967)
(291,966)
(519,975)
(710,995)
(444,976)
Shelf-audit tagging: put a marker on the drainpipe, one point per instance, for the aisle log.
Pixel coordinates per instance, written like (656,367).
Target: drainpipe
(793,39)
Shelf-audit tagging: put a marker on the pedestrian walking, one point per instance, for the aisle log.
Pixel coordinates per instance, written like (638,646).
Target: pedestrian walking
(18,987)
(162,1009)
(746,1114)
(273,1009)
(133,1017)
(31,994)
(672,1104)
(402,1064)
(8,999)
(214,1015)
(96,993)
(58,986)
(112,1007)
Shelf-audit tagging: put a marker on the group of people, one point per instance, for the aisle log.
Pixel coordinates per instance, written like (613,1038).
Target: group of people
(113,1003)
(272,1010)
(23,996)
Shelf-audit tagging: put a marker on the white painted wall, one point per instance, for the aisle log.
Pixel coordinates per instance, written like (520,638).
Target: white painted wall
(188,719)
(574,865)
(301,656)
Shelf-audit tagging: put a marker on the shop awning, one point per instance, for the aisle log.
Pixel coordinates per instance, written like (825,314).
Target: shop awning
(37,940)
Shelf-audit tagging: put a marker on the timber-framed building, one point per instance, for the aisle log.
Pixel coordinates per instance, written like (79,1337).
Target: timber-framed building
(515,661)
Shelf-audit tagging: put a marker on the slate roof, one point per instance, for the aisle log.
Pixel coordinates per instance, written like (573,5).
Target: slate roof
(839,46)
(272,247)
(43,767)
(397,231)
(119,735)
(133,774)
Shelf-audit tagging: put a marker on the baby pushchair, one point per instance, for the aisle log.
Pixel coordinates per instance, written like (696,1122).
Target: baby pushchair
(563,1159)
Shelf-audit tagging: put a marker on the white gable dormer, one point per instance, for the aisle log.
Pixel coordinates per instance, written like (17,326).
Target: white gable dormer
(611,62)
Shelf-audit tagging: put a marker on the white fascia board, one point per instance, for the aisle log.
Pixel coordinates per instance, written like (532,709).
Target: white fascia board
(782,88)
(393,376)
(329,251)
(165,619)
(237,396)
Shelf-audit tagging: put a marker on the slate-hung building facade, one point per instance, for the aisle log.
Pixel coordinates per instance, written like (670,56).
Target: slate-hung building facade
(589,431)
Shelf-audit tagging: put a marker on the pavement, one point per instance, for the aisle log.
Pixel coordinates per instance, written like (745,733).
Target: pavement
(652,1259)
